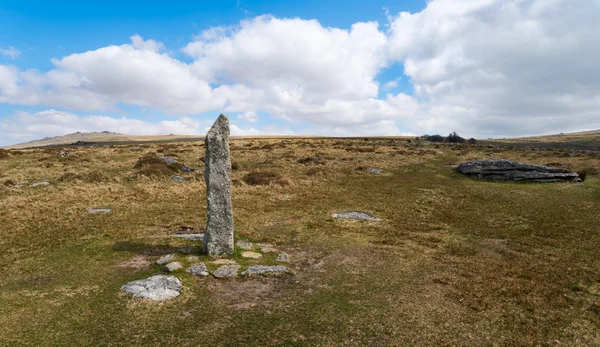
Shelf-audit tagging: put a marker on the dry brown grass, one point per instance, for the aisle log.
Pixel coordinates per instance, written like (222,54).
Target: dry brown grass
(453,261)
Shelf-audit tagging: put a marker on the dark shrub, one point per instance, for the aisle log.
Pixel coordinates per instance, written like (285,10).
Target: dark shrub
(3,153)
(261,178)
(583,173)
(472,141)
(454,138)
(235,165)
(9,182)
(153,166)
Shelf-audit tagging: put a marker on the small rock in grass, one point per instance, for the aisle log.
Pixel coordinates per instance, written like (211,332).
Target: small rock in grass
(39,184)
(224,262)
(99,210)
(283,257)
(193,258)
(374,170)
(167,258)
(252,255)
(198,269)
(265,270)
(355,215)
(178,179)
(244,245)
(156,288)
(227,271)
(170,267)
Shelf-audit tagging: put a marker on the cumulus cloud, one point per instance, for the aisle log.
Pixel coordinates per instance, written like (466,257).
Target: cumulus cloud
(495,67)
(479,67)
(248,116)
(10,52)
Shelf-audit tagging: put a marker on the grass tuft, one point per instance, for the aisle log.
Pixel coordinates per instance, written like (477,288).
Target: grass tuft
(262,178)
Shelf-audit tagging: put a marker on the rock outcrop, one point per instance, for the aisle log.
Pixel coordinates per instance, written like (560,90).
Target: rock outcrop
(506,170)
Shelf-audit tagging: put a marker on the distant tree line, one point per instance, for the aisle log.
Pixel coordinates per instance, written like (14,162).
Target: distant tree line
(451,138)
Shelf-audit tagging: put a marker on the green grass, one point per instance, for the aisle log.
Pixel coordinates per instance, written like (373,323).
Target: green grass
(453,262)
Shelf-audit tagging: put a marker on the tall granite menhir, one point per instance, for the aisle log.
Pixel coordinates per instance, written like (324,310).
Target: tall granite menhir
(218,238)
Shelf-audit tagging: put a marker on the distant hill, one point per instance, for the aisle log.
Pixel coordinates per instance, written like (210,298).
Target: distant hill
(100,138)
(583,139)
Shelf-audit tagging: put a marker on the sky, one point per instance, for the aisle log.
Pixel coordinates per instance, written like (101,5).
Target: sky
(481,68)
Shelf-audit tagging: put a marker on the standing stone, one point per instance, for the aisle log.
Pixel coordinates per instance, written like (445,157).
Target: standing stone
(218,238)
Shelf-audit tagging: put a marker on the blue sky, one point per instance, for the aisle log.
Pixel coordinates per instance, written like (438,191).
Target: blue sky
(426,67)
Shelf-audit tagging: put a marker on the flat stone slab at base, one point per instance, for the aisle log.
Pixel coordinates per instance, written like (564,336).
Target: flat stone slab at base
(355,215)
(165,259)
(507,170)
(227,271)
(251,255)
(156,288)
(244,245)
(99,210)
(170,267)
(224,262)
(265,270)
(198,269)
(191,237)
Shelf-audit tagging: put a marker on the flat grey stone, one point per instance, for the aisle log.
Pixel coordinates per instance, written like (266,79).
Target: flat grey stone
(507,170)
(265,270)
(268,249)
(39,184)
(244,245)
(198,269)
(374,170)
(192,237)
(156,288)
(224,262)
(178,179)
(170,161)
(192,258)
(165,259)
(99,210)
(218,238)
(355,215)
(264,245)
(251,255)
(170,267)
(283,257)
(227,271)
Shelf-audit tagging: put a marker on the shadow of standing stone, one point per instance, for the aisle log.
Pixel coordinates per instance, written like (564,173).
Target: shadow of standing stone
(218,239)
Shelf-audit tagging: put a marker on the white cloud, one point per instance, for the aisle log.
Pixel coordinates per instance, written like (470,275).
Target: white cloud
(479,67)
(390,85)
(10,52)
(498,67)
(147,45)
(248,116)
